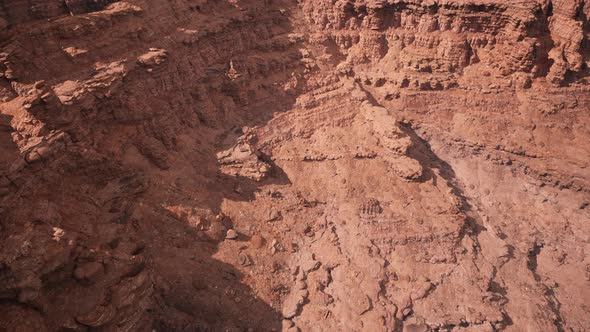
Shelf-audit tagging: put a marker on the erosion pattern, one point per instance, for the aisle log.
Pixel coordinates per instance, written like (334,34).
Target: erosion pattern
(313,165)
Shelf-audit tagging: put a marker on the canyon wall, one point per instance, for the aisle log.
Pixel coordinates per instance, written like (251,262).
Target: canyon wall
(354,165)
(426,38)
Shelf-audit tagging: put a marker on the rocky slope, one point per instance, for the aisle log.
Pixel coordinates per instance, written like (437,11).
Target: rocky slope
(257,165)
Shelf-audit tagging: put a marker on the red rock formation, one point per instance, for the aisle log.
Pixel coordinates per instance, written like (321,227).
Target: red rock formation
(316,165)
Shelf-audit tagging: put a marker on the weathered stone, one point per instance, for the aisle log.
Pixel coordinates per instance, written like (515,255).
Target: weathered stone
(274,215)
(244,259)
(293,303)
(154,57)
(231,234)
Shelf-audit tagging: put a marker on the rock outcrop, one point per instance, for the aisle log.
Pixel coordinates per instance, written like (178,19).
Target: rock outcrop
(413,41)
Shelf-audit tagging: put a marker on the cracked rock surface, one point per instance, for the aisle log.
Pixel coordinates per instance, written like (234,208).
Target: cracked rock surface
(294,165)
